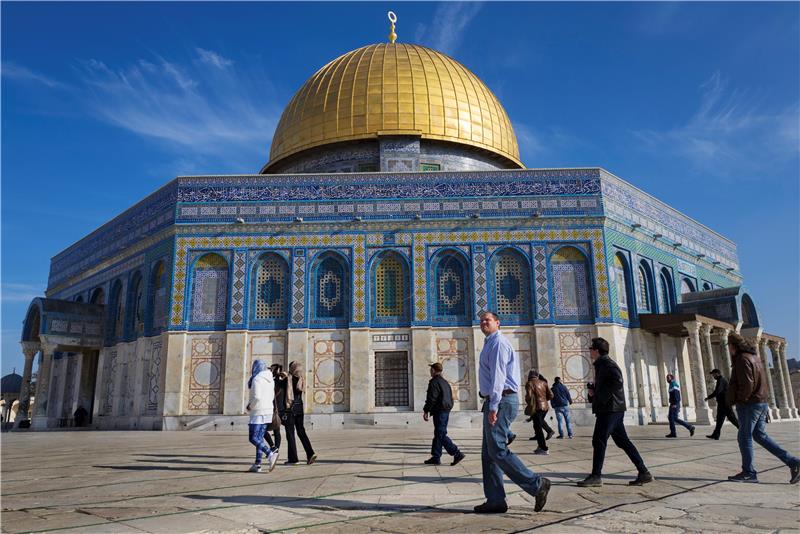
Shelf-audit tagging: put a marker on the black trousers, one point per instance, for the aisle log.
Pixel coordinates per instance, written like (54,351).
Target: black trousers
(538,428)
(294,423)
(724,411)
(276,431)
(610,424)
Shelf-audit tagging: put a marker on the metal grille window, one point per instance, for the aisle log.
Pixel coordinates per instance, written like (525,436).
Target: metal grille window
(391,379)
(210,290)
(511,285)
(389,287)
(643,298)
(271,286)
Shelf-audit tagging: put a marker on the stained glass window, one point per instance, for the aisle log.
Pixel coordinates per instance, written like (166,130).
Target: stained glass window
(511,277)
(571,286)
(621,280)
(451,286)
(390,287)
(210,290)
(272,279)
(331,289)
(643,295)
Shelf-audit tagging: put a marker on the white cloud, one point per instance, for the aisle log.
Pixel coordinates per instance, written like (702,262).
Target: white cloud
(19,73)
(730,133)
(212,58)
(449,29)
(15,292)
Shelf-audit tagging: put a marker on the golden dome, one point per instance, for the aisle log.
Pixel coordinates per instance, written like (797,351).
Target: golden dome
(394,89)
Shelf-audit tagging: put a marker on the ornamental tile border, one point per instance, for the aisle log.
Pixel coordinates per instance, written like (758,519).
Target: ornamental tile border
(540,274)
(238,287)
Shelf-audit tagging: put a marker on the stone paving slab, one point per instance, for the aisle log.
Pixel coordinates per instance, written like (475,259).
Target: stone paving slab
(373,480)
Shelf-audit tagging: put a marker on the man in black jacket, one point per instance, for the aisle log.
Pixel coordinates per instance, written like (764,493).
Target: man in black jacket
(723,410)
(608,405)
(438,404)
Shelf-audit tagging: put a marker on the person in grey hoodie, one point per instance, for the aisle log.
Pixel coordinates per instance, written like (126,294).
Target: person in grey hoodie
(262,395)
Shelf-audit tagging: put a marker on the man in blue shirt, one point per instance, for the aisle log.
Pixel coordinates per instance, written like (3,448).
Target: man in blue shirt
(499,387)
(560,403)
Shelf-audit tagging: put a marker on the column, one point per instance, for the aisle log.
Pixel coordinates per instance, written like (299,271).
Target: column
(778,380)
(788,381)
(236,372)
(708,357)
(726,356)
(662,370)
(697,369)
(43,386)
(684,376)
(641,377)
(761,347)
(361,381)
(29,349)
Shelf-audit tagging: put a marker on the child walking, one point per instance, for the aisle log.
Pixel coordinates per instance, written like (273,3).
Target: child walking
(262,396)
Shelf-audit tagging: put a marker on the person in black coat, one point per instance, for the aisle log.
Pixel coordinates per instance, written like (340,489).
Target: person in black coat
(438,403)
(608,405)
(723,410)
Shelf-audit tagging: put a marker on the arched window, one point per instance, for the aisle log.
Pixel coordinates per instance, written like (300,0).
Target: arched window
(511,292)
(136,296)
(98,296)
(707,286)
(452,287)
(79,298)
(667,294)
(210,291)
(749,315)
(391,295)
(117,312)
(572,290)
(622,280)
(687,286)
(158,283)
(271,291)
(644,285)
(331,290)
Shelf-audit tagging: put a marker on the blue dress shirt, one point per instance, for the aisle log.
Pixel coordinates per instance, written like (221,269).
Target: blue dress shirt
(498,369)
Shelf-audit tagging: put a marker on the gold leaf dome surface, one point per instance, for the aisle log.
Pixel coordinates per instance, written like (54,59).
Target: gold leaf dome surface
(394,89)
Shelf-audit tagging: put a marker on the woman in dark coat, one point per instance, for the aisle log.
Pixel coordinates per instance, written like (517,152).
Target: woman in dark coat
(294,413)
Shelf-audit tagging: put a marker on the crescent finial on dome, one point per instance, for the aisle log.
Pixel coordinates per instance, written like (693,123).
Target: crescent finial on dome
(392,19)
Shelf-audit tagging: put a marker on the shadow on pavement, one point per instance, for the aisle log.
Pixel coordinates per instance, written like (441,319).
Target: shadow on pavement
(314,503)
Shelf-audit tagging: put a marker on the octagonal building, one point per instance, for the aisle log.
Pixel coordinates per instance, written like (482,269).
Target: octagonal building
(393,209)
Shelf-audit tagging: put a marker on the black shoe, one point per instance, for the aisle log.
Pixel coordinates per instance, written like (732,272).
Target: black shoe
(642,479)
(712,436)
(744,477)
(433,461)
(489,508)
(691,432)
(457,458)
(287,462)
(795,474)
(671,436)
(592,481)
(532,438)
(549,435)
(541,495)
(511,439)
(559,437)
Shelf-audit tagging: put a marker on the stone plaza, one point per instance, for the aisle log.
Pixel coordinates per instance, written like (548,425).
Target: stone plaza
(373,480)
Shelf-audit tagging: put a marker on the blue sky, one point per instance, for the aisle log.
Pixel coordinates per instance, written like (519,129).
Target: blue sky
(696,104)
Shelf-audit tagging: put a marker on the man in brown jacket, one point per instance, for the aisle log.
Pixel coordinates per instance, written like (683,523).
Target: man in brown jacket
(537,393)
(747,390)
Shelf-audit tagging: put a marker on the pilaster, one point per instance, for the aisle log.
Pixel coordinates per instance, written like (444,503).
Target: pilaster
(704,415)
(236,371)
(29,350)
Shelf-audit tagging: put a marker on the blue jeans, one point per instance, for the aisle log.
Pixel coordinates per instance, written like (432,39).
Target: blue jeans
(440,437)
(497,459)
(257,435)
(562,412)
(674,413)
(752,420)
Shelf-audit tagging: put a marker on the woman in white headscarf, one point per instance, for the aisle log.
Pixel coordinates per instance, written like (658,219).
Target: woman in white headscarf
(262,396)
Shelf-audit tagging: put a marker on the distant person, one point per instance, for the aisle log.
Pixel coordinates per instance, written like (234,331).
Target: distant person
(608,405)
(261,405)
(723,410)
(294,415)
(545,426)
(537,395)
(80,416)
(438,403)
(748,391)
(498,378)
(560,403)
(675,409)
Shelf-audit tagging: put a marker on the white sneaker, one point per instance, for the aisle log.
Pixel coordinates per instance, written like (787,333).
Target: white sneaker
(255,468)
(272,459)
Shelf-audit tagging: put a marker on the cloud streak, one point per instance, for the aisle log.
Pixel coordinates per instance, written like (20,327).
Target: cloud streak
(453,18)
(18,73)
(729,133)
(16,292)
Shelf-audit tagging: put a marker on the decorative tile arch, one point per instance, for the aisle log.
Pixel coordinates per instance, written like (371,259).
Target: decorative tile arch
(667,291)
(451,288)
(645,289)
(330,280)
(510,285)
(622,281)
(158,296)
(688,285)
(116,313)
(209,294)
(573,299)
(270,291)
(136,305)
(390,289)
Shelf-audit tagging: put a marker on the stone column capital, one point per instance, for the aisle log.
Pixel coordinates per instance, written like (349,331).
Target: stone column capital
(705,329)
(30,348)
(692,326)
